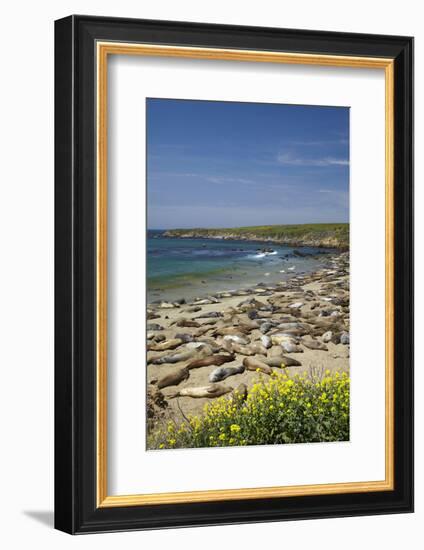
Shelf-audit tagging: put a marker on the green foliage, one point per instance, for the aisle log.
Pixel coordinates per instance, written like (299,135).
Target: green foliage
(283,233)
(279,410)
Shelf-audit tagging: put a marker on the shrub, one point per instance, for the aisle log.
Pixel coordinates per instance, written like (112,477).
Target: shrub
(279,410)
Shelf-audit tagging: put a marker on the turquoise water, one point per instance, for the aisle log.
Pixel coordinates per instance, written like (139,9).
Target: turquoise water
(185,268)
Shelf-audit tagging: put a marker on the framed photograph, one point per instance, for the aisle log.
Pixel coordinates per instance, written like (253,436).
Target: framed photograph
(234,258)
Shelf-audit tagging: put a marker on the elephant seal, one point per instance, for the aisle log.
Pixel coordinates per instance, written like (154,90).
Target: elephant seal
(201,331)
(221,373)
(266,341)
(213,390)
(253,349)
(210,342)
(154,326)
(231,331)
(173,379)
(187,323)
(237,348)
(278,338)
(327,336)
(289,346)
(166,345)
(266,327)
(185,337)
(281,361)
(304,327)
(248,326)
(210,315)
(254,364)
(258,348)
(315,345)
(204,351)
(328,324)
(217,360)
(193,309)
(167,305)
(287,343)
(194,345)
(236,339)
(209,323)
(295,332)
(206,301)
(152,315)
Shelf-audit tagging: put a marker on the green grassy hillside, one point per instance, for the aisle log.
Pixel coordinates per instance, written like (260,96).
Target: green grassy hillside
(317,234)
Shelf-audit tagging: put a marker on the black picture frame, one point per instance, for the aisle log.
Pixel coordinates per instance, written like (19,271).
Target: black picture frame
(76,510)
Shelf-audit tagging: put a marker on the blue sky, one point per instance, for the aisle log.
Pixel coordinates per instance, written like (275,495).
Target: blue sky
(224,164)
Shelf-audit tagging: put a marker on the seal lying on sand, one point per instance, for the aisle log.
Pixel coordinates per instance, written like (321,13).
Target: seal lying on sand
(192,309)
(266,341)
(221,373)
(204,351)
(187,323)
(217,360)
(288,344)
(236,339)
(232,331)
(173,379)
(201,331)
(232,347)
(254,364)
(281,361)
(185,337)
(247,326)
(314,344)
(164,346)
(210,315)
(154,326)
(213,390)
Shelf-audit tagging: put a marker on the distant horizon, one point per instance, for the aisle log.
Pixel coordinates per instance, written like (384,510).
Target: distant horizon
(216,164)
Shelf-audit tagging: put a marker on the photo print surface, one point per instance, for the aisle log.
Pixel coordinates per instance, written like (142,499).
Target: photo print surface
(247,274)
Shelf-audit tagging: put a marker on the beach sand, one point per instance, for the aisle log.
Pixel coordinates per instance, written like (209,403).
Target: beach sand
(319,301)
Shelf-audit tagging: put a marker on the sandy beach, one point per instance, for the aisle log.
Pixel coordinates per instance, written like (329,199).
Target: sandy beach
(304,318)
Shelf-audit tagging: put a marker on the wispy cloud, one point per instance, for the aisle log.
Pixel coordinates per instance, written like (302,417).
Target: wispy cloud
(321,143)
(227,179)
(289,159)
(217,179)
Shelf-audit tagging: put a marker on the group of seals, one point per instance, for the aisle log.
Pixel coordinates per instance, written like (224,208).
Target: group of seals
(258,333)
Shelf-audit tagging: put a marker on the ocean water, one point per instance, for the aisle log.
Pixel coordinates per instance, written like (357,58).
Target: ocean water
(187,268)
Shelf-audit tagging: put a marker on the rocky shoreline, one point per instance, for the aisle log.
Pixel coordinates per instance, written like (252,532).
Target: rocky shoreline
(212,346)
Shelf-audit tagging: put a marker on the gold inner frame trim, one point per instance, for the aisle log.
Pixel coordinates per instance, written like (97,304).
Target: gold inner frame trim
(104,49)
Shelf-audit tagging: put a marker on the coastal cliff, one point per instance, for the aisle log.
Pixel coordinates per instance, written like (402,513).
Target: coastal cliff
(328,235)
